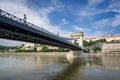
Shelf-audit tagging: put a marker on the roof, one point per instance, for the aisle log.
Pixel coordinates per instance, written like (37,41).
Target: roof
(109,36)
(103,37)
(90,38)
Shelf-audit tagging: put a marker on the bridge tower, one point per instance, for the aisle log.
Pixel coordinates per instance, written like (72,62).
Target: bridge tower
(77,38)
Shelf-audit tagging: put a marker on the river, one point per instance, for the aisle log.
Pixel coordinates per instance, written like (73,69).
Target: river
(59,68)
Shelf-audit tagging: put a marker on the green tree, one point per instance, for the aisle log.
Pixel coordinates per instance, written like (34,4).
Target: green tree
(61,49)
(90,43)
(44,49)
(35,49)
(85,43)
(97,49)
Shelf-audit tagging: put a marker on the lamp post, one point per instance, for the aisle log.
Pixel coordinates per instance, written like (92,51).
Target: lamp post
(25,18)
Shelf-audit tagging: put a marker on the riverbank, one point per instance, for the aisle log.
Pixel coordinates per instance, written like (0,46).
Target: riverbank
(102,54)
(47,54)
(33,53)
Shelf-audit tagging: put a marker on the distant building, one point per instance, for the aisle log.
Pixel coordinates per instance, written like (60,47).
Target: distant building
(29,46)
(108,38)
(108,48)
(91,39)
(52,47)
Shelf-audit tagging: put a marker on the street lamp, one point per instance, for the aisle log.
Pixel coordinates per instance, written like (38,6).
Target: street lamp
(25,18)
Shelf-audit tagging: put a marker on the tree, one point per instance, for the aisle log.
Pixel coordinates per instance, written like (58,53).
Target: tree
(35,49)
(97,49)
(90,43)
(44,49)
(85,43)
(61,49)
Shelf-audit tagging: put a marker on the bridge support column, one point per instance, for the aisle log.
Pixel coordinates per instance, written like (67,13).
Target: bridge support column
(77,38)
(74,54)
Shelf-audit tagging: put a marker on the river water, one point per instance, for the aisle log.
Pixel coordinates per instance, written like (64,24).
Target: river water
(59,68)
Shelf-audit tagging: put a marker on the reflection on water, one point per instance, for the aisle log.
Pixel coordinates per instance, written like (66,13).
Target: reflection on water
(59,68)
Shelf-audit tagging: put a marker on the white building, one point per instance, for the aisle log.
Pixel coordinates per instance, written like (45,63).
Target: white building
(108,38)
(111,48)
(28,46)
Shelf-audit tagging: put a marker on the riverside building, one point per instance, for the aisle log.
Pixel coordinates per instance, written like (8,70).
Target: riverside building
(108,48)
(108,38)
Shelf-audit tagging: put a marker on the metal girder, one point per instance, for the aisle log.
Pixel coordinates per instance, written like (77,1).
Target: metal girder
(17,36)
(36,35)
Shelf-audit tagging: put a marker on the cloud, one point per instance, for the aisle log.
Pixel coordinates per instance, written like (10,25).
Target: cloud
(102,23)
(64,21)
(90,12)
(114,6)
(116,21)
(39,17)
(110,22)
(90,9)
(89,32)
(110,32)
(105,26)
(78,28)
(97,33)
(94,2)
(58,4)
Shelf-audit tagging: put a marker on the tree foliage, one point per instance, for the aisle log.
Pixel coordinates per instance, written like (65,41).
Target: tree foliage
(46,49)
(94,44)
(86,43)
(97,49)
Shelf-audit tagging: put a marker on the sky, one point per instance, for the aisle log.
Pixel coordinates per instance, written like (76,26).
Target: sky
(92,17)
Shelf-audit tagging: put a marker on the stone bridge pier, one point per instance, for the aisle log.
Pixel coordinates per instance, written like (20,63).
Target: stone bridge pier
(77,38)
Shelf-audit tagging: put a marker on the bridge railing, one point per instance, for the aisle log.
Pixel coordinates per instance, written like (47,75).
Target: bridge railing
(5,14)
(10,16)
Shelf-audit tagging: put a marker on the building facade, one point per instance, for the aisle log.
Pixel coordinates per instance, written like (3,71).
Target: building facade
(27,46)
(109,48)
(30,46)
(108,38)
